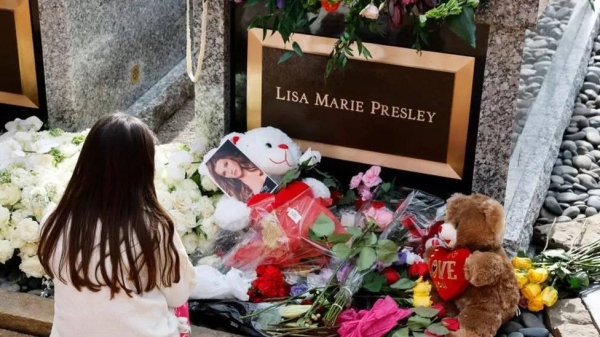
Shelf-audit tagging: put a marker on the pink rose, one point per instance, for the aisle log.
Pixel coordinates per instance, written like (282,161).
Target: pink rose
(365,193)
(355,182)
(371,177)
(382,216)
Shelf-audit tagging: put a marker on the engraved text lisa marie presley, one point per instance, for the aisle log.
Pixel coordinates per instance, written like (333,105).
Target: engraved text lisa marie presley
(374,107)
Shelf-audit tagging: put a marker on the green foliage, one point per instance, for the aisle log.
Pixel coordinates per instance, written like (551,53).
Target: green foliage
(374,282)
(323,226)
(293,17)
(78,139)
(56,132)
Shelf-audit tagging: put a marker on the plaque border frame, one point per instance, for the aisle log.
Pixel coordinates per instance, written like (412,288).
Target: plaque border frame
(463,68)
(27,65)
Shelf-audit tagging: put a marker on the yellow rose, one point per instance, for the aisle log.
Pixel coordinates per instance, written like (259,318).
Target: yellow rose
(538,275)
(421,301)
(549,296)
(536,304)
(521,279)
(521,263)
(422,288)
(531,291)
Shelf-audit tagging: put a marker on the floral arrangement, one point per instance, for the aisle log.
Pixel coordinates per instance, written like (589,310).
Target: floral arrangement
(35,167)
(290,16)
(544,277)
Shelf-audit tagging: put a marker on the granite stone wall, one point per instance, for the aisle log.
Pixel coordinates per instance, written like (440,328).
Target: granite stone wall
(103,55)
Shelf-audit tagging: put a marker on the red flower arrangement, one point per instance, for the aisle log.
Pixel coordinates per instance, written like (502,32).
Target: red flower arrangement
(418,269)
(269,284)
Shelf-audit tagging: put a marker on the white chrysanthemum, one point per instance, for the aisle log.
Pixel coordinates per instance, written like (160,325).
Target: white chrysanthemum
(208,184)
(6,251)
(4,216)
(28,230)
(206,206)
(28,250)
(32,267)
(190,186)
(190,242)
(9,194)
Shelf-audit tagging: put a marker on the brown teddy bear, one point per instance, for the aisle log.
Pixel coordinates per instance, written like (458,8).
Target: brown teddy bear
(491,293)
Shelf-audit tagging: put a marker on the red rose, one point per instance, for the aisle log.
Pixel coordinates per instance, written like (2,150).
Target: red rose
(418,269)
(391,276)
(269,284)
(431,334)
(335,196)
(330,7)
(377,204)
(441,308)
(359,203)
(451,324)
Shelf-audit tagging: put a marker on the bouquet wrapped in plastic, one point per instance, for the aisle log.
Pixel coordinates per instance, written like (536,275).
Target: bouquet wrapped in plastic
(279,234)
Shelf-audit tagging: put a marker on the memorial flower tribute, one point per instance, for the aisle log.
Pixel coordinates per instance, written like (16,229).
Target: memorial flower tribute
(289,16)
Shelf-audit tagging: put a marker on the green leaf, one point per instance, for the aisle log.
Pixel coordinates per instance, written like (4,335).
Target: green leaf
(387,251)
(426,312)
(438,329)
(286,56)
(372,239)
(329,182)
(521,254)
(582,279)
(297,48)
(403,284)
(356,232)
(348,198)
(341,250)
(313,236)
(323,226)
(373,282)
(574,282)
(562,272)
(288,177)
(418,323)
(366,259)
(404,332)
(463,25)
(386,187)
(418,334)
(339,238)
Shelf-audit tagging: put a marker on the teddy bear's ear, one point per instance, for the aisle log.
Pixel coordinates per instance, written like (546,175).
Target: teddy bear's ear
(492,210)
(234,137)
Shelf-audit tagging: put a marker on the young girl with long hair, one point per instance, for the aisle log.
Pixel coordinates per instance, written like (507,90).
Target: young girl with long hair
(119,267)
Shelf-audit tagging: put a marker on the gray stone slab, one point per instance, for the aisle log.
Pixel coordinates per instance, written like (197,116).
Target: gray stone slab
(103,55)
(591,299)
(570,318)
(538,145)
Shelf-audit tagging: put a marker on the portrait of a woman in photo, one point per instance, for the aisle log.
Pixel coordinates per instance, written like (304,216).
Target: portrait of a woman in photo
(236,175)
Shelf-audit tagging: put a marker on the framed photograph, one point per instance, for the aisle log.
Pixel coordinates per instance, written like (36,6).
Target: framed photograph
(236,175)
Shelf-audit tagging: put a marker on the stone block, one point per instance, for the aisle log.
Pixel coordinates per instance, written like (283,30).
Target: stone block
(568,318)
(26,313)
(591,299)
(566,233)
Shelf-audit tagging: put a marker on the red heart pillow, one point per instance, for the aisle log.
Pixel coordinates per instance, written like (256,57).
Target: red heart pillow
(447,271)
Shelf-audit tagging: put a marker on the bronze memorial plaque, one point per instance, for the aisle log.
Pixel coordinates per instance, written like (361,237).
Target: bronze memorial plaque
(400,110)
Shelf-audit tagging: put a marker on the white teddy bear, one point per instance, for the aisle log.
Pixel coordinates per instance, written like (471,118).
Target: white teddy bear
(273,152)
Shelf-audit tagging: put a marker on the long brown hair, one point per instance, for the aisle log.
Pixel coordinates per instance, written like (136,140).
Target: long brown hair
(232,186)
(110,204)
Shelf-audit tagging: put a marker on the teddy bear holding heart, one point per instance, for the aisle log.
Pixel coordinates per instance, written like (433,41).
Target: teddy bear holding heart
(472,274)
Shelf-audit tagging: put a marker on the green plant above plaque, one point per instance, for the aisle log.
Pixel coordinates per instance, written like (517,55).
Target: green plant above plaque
(290,16)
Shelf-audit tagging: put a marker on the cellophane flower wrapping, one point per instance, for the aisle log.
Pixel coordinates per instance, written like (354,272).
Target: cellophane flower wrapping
(281,237)
(417,214)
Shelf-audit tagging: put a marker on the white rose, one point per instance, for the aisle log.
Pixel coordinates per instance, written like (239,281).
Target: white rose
(206,207)
(45,161)
(182,201)
(29,249)
(179,162)
(32,267)
(9,194)
(4,216)
(208,184)
(6,251)
(19,214)
(69,150)
(165,198)
(210,228)
(310,157)
(190,242)
(183,221)
(370,12)
(28,230)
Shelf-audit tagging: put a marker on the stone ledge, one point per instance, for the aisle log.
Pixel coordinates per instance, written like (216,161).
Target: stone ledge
(569,318)
(23,315)
(26,313)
